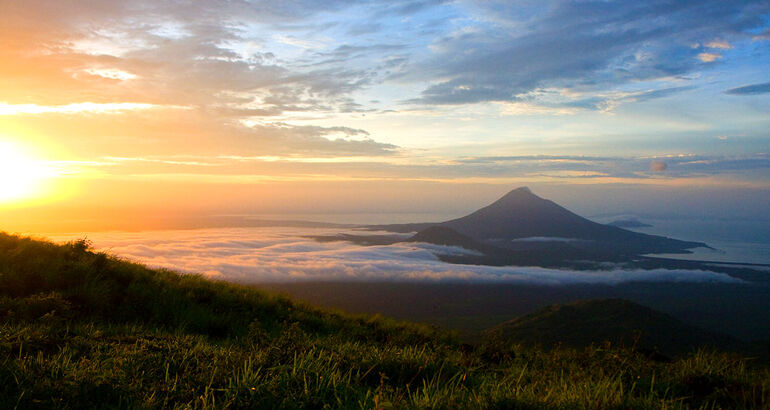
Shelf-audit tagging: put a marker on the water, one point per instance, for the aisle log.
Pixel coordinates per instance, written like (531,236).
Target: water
(735,241)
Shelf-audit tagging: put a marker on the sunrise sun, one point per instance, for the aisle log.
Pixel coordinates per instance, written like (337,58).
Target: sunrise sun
(22,176)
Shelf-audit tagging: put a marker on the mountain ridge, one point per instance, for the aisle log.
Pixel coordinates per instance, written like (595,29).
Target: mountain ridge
(617,321)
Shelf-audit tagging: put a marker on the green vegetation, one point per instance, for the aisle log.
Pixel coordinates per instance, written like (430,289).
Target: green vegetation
(81,329)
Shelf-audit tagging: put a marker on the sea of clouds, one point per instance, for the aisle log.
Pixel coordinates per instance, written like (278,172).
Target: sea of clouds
(255,255)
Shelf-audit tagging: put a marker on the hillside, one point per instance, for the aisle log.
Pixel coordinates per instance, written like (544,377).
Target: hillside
(618,321)
(82,329)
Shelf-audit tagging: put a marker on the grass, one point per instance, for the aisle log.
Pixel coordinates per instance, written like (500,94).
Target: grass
(82,329)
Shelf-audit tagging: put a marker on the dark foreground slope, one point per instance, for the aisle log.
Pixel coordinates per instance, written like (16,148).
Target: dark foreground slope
(617,321)
(80,329)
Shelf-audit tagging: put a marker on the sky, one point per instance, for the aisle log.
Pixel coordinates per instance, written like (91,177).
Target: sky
(113,110)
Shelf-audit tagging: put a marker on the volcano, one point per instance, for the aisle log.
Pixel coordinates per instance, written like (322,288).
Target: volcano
(521,216)
(523,222)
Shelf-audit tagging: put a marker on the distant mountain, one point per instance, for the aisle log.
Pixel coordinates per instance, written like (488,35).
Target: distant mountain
(617,321)
(522,222)
(521,214)
(629,223)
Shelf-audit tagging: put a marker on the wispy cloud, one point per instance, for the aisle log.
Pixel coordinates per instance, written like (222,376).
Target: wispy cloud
(76,108)
(753,89)
(111,73)
(593,46)
(374,165)
(709,57)
(720,44)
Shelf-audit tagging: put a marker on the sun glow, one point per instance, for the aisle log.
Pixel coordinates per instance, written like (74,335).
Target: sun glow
(22,176)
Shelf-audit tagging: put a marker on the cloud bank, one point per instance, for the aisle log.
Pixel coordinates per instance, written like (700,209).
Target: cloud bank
(254,255)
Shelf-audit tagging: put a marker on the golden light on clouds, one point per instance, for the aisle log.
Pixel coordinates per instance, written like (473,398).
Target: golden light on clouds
(111,73)
(709,57)
(75,108)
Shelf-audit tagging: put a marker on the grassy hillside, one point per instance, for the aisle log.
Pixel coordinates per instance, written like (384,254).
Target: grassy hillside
(81,329)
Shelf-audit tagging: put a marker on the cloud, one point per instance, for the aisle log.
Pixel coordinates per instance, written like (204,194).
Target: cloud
(230,54)
(284,254)
(718,164)
(248,93)
(221,60)
(111,73)
(310,139)
(658,166)
(607,102)
(659,93)
(526,108)
(677,166)
(720,44)
(539,158)
(753,89)
(192,132)
(378,162)
(588,46)
(208,53)
(709,57)
(765,35)
(76,108)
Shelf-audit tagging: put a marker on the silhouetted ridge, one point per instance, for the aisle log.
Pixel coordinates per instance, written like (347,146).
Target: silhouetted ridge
(618,321)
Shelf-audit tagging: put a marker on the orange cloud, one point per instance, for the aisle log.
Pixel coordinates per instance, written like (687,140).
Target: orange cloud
(709,57)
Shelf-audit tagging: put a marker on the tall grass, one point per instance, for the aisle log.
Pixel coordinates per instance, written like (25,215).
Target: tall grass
(81,329)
